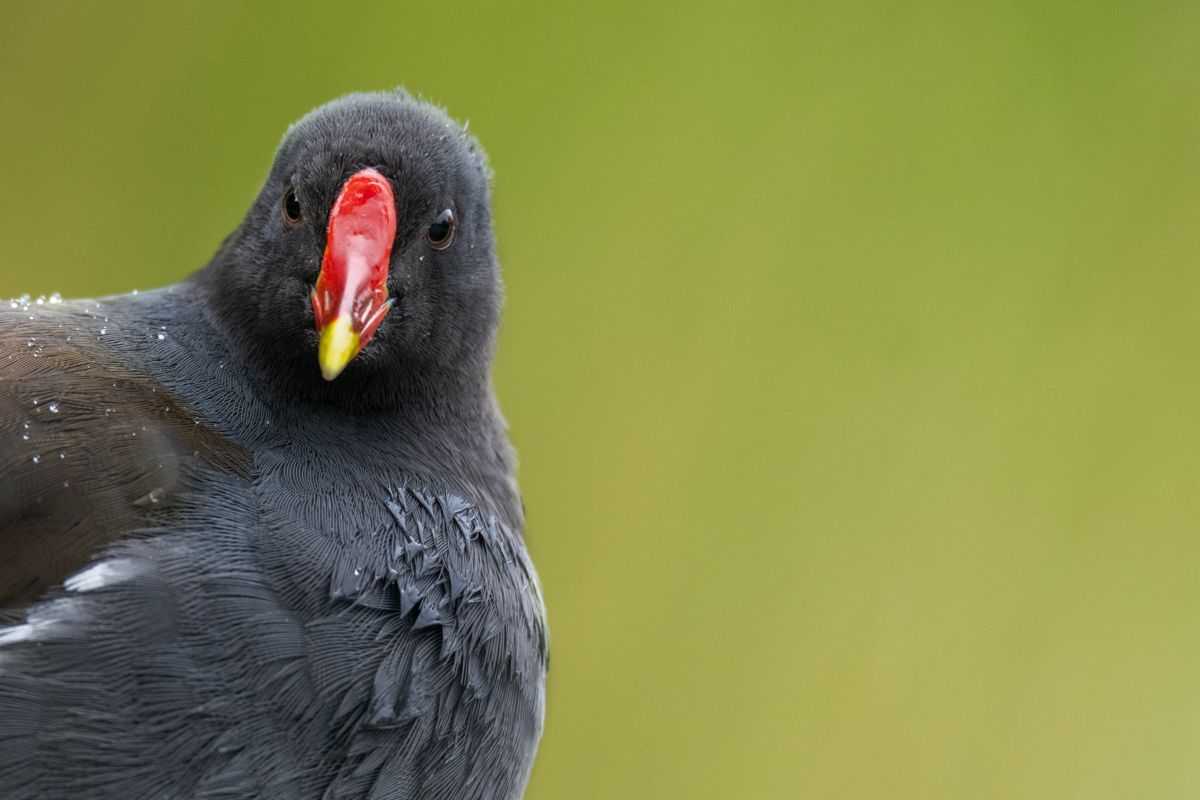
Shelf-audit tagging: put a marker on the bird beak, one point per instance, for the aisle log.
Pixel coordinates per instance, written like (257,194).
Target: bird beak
(351,297)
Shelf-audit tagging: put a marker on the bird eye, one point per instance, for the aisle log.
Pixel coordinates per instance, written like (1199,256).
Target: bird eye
(291,206)
(440,233)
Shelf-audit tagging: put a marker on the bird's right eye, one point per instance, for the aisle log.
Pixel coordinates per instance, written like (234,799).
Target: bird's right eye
(291,206)
(440,233)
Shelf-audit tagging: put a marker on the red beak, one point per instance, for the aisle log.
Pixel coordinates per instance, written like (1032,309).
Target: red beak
(351,297)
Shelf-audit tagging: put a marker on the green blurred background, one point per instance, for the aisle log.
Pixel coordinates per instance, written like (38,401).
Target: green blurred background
(850,351)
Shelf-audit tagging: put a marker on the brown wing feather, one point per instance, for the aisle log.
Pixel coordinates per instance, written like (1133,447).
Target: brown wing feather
(89,452)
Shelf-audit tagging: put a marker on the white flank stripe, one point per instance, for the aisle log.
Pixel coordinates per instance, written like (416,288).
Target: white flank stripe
(22,633)
(97,576)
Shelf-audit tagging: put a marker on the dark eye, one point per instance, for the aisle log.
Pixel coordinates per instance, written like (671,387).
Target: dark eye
(291,206)
(440,233)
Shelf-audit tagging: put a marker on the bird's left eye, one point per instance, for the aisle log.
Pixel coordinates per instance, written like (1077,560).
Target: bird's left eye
(291,206)
(441,231)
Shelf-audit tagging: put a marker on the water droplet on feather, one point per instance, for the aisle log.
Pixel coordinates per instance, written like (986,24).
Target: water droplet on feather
(154,496)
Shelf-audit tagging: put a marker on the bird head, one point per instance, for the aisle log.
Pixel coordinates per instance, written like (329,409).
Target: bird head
(369,253)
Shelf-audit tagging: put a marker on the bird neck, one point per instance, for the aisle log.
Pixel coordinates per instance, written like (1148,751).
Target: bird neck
(443,425)
(278,347)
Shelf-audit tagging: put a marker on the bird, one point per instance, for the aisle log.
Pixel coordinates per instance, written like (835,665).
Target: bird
(260,535)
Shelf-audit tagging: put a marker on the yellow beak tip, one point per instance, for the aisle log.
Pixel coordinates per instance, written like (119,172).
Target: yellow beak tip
(339,344)
(329,372)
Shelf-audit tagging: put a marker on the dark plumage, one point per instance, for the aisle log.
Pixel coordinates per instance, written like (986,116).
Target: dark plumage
(225,576)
